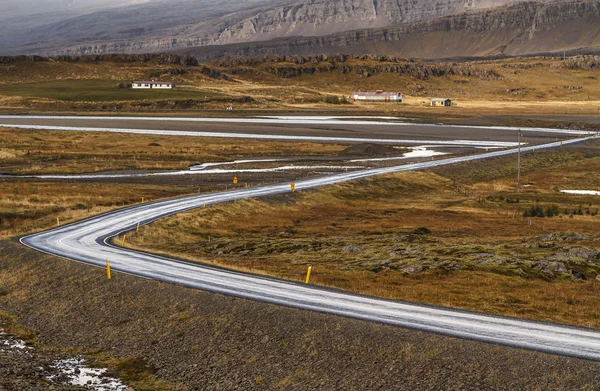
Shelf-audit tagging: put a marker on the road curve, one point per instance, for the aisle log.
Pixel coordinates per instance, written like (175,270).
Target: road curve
(88,242)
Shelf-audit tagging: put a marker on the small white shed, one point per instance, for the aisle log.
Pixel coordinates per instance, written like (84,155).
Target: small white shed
(441,102)
(152,85)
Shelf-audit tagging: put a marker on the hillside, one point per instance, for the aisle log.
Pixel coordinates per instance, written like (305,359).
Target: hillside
(520,29)
(429,29)
(285,82)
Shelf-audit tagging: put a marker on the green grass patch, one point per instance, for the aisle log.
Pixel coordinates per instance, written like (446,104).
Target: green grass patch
(99,91)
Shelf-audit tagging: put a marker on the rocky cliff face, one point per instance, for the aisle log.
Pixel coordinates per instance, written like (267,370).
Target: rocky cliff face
(323,17)
(410,28)
(525,28)
(177,24)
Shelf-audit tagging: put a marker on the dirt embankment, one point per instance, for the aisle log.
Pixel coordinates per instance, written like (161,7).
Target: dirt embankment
(197,340)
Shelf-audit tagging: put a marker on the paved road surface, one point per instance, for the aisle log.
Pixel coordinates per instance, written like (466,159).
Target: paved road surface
(379,129)
(89,242)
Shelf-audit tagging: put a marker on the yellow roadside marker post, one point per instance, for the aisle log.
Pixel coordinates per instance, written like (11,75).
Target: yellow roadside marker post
(235,180)
(57,222)
(137,228)
(293,186)
(123,242)
(205,204)
(108,269)
(142,200)
(308,274)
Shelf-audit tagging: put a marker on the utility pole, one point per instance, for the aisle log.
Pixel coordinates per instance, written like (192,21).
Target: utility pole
(519,164)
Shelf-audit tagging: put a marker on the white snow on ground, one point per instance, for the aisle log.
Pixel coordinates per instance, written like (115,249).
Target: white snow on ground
(203,169)
(581,192)
(417,152)
(10,342)
(92,378)
(252,136)
(235,162)
(300,120)
(192,172)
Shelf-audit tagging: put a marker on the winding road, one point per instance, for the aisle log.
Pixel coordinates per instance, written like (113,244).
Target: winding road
(88,241)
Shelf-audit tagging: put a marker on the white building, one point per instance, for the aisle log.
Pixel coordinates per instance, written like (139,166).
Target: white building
(441,102)
(151,85)
(377,96)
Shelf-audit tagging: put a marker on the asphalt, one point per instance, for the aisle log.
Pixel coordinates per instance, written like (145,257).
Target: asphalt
(88,242)
(317,129)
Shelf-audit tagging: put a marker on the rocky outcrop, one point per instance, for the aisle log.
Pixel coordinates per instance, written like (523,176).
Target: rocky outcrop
(285,66)
(13,59)
(168,58)
(581,62)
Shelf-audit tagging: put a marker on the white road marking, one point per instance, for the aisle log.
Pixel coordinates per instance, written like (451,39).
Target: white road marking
(300,120)
(253,136)
(87,242)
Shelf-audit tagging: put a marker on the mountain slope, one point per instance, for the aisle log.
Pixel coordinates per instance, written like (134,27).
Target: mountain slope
(519,29)
(174,24)
(427,28)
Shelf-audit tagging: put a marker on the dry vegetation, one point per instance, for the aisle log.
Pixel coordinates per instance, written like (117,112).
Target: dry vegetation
(27,206)
(35,206)
(455,237)
(530,85)
(63,152)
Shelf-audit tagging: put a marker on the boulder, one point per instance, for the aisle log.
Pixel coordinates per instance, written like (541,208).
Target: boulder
(353,249)
(557,267)
(412,269)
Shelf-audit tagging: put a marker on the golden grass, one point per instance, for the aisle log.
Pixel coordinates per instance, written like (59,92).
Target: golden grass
(281,236)
(64,152)
(529,86)
(30,207)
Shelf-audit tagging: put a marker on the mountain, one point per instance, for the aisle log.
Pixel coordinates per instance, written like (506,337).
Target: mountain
(526,28)
(12,8)
(410,28)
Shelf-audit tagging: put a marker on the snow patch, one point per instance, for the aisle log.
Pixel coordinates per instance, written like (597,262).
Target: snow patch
(78,374)
(194,172)
(206,165)
(417,152)
(8,342)
(581,192)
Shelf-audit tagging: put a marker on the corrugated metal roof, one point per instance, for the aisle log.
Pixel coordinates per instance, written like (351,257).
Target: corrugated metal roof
(439,99)
(376,93)
(152,82)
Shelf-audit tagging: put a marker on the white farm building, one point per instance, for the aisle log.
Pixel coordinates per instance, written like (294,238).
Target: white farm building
(152,85)
(377,96)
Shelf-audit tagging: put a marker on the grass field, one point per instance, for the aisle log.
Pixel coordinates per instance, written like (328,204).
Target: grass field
(528,86)
(35,205)
(100,91)
(455,237)
(63,152)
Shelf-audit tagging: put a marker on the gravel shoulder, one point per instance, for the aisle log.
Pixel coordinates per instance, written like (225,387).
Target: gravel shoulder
(196,340)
